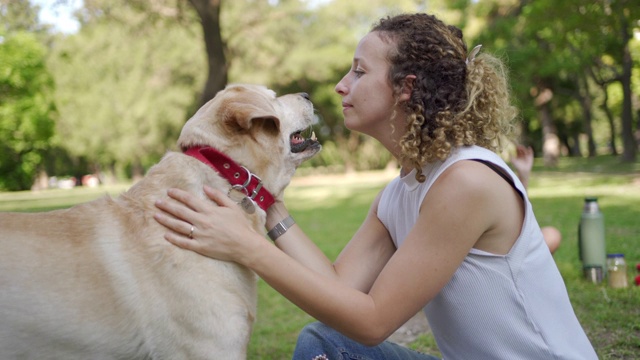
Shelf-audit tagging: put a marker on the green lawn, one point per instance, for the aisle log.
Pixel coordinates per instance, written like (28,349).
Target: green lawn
(331,211)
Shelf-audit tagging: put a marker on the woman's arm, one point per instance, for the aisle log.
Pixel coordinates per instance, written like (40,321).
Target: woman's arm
(522,163)
(371,247)
(296,244)
(372,291)
(217,225)
(454,215)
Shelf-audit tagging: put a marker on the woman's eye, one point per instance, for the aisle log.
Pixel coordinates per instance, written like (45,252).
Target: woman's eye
(358,72)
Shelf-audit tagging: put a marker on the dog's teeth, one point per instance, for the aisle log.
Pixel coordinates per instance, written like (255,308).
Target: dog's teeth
(313,136)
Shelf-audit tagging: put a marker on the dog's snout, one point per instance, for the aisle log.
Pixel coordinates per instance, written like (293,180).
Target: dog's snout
(305,95)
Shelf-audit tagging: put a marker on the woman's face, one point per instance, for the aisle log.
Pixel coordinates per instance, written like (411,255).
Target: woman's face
(367,96)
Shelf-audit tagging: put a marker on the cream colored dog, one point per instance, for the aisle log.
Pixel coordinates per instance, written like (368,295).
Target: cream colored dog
(98,281)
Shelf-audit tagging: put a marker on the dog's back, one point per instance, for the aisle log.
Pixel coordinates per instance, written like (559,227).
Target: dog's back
(99,281)
(51,273)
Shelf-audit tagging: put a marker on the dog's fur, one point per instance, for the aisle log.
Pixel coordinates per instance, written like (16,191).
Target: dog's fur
(98,280)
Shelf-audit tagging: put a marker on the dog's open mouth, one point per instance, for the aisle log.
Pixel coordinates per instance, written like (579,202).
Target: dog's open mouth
(303,140)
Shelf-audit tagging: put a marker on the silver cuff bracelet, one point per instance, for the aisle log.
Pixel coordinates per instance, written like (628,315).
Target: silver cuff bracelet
(281,228)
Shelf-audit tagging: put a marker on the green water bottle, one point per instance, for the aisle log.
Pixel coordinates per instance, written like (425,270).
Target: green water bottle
(591,241)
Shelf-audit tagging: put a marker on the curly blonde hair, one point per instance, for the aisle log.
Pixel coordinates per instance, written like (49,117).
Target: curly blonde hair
(453,103)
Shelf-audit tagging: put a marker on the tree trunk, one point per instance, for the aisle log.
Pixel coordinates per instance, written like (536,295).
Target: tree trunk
(209,12)
(612,125)
(574,150)
(585,102)
(42,181)
(628,140)
(550,140)
(637,132)
(137,170)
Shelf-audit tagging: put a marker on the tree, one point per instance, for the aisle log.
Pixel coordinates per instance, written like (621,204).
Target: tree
(174,13)
(578,34)
(286,45)
(125,87)
(26,109)
(209,12)
(26,89)
(625,13)
(19,15)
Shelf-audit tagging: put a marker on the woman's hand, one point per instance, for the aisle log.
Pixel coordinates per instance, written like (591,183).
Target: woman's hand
(523,162)
(221,232)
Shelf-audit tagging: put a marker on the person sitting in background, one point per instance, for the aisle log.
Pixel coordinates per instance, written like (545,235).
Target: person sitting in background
(523,163)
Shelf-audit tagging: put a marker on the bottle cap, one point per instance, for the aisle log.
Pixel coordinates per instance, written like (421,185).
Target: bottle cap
(590,199)
(615,255)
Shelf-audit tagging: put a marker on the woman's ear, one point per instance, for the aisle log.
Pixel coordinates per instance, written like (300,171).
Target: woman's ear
(407,87)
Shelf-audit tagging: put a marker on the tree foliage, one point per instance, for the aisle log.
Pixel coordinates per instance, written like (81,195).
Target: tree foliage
(137,69)
(557,52)
(27,110)
(125,87)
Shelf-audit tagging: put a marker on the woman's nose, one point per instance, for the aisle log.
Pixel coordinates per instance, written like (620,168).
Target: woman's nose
(341,87)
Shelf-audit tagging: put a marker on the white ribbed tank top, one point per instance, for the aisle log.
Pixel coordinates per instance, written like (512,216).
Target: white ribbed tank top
(510,307)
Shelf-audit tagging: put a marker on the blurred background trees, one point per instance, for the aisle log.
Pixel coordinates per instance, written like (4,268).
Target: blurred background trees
(110,99)
(27,106)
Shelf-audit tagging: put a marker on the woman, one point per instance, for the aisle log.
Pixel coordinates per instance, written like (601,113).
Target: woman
(453,234)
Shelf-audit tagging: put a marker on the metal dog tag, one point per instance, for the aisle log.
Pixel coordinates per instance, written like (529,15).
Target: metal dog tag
(248,205)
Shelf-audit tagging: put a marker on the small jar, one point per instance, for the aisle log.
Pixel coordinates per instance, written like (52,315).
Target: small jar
(617,271)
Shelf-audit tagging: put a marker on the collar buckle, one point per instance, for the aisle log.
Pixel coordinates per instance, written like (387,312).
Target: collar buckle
(252,187)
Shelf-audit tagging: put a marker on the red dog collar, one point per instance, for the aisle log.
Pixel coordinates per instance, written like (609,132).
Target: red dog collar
(240,178)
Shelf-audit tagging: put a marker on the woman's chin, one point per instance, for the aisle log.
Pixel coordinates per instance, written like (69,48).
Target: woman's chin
(352,124)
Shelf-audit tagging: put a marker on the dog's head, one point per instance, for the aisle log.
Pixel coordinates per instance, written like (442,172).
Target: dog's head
(257,130)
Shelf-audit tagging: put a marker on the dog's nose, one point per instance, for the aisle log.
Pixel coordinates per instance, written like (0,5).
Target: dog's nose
(305,95)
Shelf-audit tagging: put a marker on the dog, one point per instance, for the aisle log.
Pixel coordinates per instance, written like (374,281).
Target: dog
(98,280)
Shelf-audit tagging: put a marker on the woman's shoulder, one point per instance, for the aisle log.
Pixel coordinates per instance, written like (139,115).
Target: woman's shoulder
(465,176)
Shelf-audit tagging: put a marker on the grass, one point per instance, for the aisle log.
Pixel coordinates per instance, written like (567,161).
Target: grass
(332,210)
(27,201)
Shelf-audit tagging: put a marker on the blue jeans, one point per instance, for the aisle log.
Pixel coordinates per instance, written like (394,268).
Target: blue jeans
(320,342)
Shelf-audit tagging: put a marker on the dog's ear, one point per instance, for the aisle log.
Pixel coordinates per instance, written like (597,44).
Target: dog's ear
(250,113)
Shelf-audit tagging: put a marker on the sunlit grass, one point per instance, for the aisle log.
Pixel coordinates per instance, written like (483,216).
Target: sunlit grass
(31,201)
